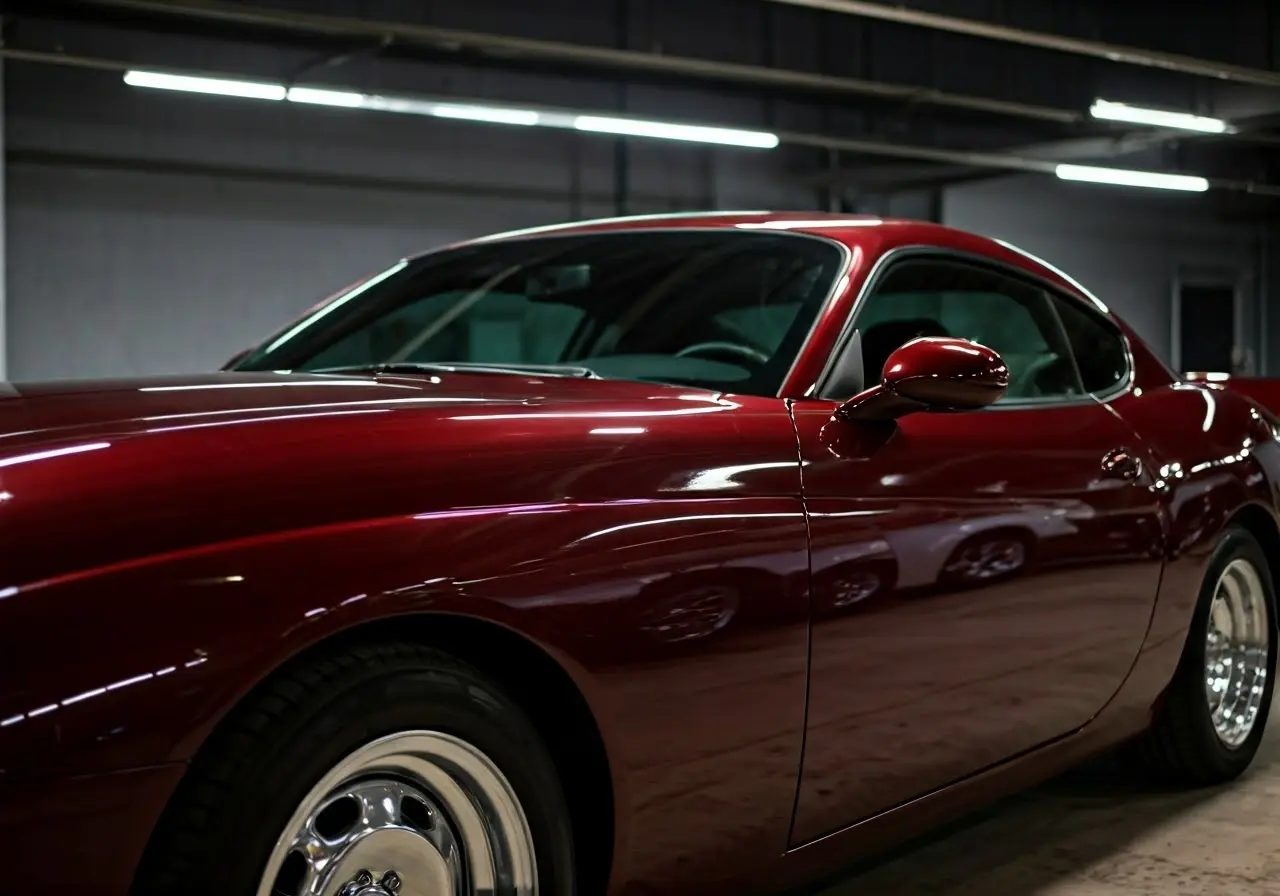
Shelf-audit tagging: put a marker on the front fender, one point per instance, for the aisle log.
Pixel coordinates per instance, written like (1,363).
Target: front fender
(141,660)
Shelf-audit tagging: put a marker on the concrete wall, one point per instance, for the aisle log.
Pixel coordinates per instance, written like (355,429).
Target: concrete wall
(1125,246)
(153,232)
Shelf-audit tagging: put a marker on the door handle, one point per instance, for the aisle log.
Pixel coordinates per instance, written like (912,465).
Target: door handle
(1122,464)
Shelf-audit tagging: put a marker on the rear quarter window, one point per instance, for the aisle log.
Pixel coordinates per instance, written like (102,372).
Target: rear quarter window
(1097,343)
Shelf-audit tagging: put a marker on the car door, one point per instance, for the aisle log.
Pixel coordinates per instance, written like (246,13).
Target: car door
(981,582)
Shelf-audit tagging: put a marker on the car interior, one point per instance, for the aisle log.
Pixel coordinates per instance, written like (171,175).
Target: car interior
(731,315)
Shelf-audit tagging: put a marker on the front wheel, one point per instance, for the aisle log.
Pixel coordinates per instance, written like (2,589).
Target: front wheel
(421,807)
(367,773)
(1215,711)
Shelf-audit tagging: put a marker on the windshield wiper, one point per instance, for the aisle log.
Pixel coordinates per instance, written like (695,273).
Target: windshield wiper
(564,370)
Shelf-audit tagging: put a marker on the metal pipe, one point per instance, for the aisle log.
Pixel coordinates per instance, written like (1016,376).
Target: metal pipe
(4,258)
(575,200)
(1265,292)
(621,149)
(990,160)
(508,47)
(1172,62)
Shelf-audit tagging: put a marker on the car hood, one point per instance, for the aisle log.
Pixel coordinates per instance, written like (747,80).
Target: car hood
(102,472)
(42,411)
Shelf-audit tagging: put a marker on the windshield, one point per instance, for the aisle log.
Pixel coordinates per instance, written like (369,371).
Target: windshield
(721,309)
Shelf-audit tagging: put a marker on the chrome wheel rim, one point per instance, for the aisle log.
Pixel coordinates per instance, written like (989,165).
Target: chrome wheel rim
(417,813)
(989,560)
(1237,648)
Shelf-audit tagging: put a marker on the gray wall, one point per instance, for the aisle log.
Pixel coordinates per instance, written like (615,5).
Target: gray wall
(1125,246)
(151,232)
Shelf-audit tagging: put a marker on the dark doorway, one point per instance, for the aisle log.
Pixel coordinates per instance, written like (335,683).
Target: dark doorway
(1206,320)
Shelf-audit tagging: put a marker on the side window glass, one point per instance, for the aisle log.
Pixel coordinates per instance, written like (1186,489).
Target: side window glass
(1097,344)
(951,298)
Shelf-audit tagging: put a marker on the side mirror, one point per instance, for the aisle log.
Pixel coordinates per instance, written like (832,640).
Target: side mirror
(932,374)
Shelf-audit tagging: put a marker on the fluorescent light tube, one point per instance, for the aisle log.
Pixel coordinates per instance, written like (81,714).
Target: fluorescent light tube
(1109,111)
(318,97)
(253,90)
(1125,178)
(633,127)
(490,114)
(459,111)
(399,105)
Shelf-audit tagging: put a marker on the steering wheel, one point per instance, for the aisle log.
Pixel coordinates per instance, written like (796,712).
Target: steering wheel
(753,356)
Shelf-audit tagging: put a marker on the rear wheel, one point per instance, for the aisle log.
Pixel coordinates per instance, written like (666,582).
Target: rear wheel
(367,773)
(1215,711)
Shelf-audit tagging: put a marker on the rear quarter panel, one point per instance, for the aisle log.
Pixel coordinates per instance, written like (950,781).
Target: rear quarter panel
(1216,460)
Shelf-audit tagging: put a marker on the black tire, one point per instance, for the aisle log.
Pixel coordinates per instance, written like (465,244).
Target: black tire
(217,833)
(1182,747)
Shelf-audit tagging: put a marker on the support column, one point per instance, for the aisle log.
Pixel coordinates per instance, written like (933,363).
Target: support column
(622,149)
(4,243)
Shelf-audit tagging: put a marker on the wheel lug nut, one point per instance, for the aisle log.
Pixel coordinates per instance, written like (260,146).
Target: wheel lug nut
(364,878)
(390,881)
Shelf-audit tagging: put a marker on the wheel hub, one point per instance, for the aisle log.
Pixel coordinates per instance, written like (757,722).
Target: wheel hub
(379,863)
(1237,647)
(989,560)
(363,884)
(367,837)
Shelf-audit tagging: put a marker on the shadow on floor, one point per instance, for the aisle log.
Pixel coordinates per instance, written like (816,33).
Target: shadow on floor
(1070,836)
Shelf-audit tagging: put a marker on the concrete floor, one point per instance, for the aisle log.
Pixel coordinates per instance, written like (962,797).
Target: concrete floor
(1093,833)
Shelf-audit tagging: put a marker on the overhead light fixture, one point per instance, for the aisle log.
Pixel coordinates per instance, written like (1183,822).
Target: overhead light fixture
(319,97)
(1184,121)
(489,114)
(550,118)
(634,127)
(1126,178)
(253,90)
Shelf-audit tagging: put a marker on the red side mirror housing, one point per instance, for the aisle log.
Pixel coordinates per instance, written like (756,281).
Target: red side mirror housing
(932,374)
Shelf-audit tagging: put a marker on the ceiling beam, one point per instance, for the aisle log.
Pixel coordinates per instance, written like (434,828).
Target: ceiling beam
(403,34)
(997,161)
(1171,62)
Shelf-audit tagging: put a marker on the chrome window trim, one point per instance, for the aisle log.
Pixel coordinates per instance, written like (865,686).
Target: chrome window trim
(997,266)
(588,225)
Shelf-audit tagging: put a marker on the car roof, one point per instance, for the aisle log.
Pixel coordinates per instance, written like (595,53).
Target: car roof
(867,231)
(795,221)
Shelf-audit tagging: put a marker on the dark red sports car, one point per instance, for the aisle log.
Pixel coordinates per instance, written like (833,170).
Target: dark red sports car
(673,555)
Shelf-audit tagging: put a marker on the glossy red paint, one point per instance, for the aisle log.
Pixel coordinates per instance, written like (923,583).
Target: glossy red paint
(1264,390)
(978,590)
(961,603)
(967,376)
(931,374)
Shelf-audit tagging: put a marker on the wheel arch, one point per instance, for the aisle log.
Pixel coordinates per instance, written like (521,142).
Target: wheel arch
(1261,524)
(536,681)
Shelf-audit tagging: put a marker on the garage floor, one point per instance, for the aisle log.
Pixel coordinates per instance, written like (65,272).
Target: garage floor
(1094,834)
